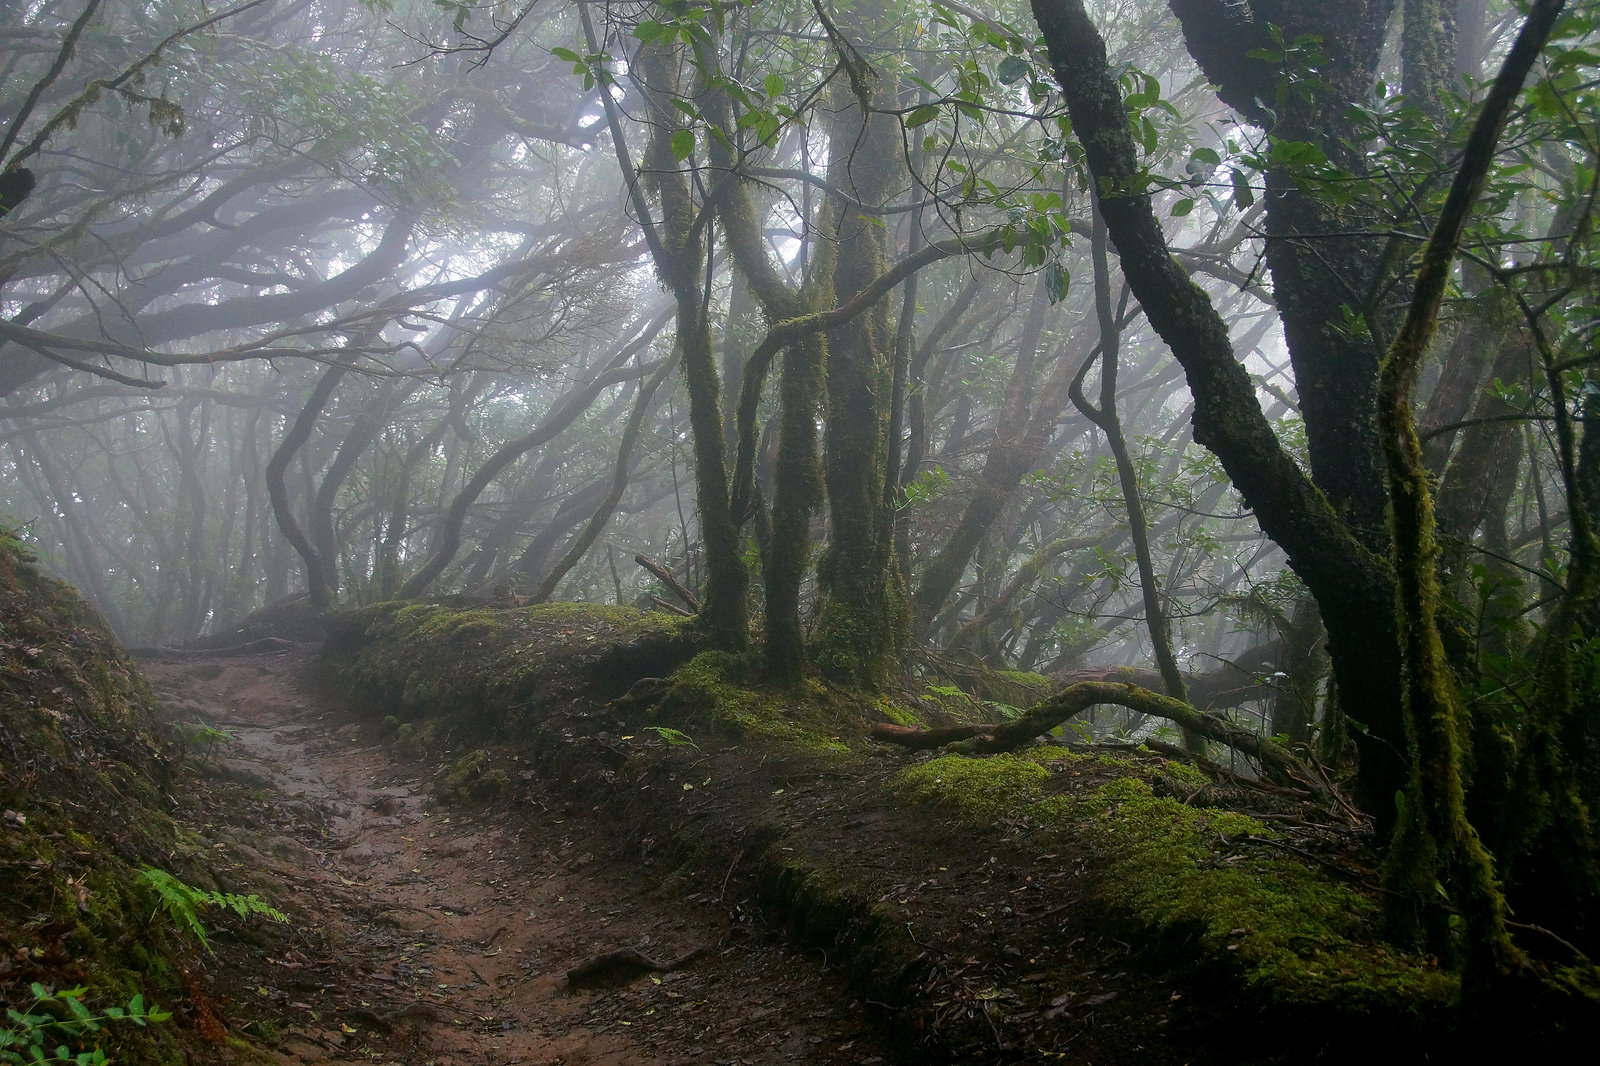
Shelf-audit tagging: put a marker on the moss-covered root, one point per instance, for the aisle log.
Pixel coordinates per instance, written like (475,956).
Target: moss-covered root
(1276,763)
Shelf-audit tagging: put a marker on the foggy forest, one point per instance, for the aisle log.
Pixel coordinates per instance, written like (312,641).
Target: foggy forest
(1224,367)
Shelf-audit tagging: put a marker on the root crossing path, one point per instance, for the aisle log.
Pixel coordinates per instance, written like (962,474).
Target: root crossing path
(428,934)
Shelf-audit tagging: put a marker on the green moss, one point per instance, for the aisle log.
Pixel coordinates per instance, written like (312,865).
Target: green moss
(898,713)
(1289,932)
(482,667)
(1015,688)
(1181,777)
(84,771)
(978,790)
(714,690)
(471,778)
(1297,935)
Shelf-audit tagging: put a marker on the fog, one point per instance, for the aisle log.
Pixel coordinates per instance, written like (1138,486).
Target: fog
(807,304)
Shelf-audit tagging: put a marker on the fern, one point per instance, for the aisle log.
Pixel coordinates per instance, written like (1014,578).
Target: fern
(182,902)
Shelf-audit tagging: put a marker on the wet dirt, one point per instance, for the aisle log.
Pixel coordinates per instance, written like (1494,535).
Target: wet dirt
(422,933)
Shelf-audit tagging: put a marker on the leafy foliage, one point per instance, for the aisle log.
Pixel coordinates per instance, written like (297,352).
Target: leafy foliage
(183,902)
(56,1027)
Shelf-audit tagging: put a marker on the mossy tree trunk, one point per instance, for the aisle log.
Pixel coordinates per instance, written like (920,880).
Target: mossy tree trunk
(864,621)
(797,481)
(1435,844)
(1324,261)
(1352,584)
(682,254)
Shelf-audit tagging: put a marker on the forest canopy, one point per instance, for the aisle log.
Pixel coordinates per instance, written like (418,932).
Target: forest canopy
(1248,347)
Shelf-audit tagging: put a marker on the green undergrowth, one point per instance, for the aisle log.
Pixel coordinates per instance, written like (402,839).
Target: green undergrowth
(83,771)
(1207,882)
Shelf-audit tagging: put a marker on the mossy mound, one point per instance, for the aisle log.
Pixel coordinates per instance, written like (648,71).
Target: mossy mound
(717,691)
(1288,932)
(486,667)
(82,774)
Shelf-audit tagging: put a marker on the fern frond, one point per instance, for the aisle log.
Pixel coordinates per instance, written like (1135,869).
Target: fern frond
(182,902)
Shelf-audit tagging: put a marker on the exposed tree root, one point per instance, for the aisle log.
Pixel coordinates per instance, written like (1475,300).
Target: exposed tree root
(625,962)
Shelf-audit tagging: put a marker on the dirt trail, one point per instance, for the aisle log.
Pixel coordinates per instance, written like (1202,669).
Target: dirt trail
(428,934)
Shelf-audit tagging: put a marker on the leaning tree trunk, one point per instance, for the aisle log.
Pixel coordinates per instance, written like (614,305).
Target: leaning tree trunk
(1105,416)
(318,585)
(619,484)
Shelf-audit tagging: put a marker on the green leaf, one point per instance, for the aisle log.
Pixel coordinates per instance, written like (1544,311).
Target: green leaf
(1205,155)
(682,145)
(773,85)
(1297,153)
(675,737)
(1182,207)
(1012,69)
(1057,280)
(1243,195)
(922,116)
(566,53)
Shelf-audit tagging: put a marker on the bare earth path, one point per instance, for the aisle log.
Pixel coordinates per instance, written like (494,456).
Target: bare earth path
(430,934)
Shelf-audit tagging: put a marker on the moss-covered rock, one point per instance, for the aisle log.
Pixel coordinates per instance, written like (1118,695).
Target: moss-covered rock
(472,778)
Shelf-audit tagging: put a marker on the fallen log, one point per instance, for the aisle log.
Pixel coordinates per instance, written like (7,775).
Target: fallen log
(1275,762)
(912,737)
(666,578)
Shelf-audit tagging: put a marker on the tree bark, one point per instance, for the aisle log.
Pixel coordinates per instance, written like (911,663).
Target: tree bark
(1434,842)
(318,586)
(1353,586)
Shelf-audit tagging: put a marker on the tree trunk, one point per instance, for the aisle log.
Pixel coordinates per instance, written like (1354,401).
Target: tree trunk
(1105,416)
(863,624)
(1353,586)
(317,584)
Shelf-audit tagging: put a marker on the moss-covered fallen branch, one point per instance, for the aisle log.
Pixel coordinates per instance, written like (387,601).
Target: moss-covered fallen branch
(1276,763)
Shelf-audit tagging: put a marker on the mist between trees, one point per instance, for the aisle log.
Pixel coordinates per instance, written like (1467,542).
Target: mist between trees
(905,336)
